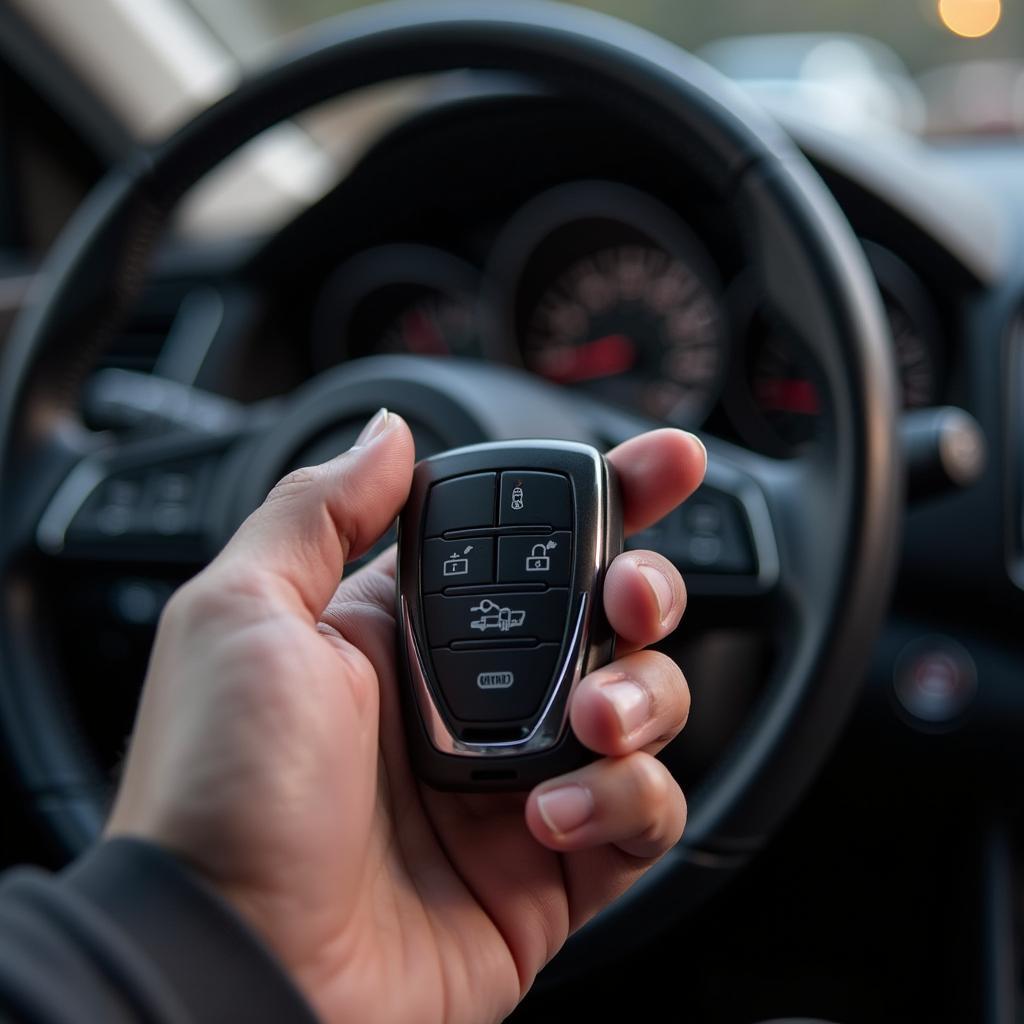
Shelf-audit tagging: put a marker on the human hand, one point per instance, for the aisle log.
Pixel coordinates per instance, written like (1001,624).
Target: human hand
(269,755)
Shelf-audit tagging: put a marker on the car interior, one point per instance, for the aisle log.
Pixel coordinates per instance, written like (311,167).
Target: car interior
(231,230)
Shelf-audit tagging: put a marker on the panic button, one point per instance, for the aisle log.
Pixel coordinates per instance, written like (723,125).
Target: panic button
(535,499)
(495,685)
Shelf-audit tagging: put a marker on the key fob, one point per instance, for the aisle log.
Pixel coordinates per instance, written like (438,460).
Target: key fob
(502,551)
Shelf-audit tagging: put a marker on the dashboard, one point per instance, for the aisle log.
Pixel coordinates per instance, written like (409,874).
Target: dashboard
(605,271)
(598,286)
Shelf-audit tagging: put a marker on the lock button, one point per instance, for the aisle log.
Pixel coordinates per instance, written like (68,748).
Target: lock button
(535,559)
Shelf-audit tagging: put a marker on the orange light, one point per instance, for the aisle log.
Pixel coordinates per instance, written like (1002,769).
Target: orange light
(970,18)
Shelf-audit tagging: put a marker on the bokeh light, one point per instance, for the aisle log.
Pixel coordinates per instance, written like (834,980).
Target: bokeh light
(970,18)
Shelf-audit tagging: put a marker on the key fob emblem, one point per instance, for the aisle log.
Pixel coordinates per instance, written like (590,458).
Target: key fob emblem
(502,553)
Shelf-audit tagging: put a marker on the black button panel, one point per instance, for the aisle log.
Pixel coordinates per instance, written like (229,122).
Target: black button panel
(535,559)
(459,563)
(495,685)
(500,616)
(535,499)
(148,505)
(708,534)
(461,504)
(495,603)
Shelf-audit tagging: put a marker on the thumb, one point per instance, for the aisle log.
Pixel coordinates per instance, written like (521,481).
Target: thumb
(317,519)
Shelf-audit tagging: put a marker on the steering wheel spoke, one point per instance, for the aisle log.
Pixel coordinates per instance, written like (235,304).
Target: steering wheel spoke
(722,539)
(146,501)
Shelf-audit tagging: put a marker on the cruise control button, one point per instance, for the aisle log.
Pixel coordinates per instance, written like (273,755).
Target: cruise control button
(537,559)
(447,563)
(495,685)
(535,498)
(460,504)
(496,617)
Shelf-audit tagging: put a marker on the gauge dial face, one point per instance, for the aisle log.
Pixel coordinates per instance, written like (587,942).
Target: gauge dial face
(914,357)
(787,391)
(403,298)
(428,324)
(634,325)
(785,394)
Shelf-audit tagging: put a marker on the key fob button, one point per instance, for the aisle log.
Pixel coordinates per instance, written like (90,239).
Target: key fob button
(536,559)
(499,617)
(461,504)
(495,685)
(460,563)
(535,499)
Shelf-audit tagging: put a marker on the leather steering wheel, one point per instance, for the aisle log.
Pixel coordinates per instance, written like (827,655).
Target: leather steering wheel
(823,528)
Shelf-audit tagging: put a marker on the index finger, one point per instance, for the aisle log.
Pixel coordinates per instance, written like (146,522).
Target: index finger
(658,471)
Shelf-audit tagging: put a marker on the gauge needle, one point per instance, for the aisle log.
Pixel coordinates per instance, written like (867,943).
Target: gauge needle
(782,394)
(422,334)
(602,357)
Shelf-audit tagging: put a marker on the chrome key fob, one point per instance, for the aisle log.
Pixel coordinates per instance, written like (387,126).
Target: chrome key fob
(502,550)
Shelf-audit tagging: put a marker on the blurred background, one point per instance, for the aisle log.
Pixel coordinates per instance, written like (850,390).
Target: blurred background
(936,67)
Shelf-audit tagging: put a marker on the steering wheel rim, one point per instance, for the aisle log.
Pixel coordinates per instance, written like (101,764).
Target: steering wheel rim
(101,260)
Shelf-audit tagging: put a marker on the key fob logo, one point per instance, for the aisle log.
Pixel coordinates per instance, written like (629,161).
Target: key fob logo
(494,680)
(518,503)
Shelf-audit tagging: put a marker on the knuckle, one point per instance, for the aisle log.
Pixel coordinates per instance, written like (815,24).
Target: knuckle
(666,809)
(298,481)
(210,598)
(653,784)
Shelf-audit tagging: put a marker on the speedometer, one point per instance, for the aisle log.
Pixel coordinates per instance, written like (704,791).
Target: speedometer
(632,324)
(610,293)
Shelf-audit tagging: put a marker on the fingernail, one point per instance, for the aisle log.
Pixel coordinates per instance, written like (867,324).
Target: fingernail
(700,444)
(631,704)
(662,589)
(565,808)
(377,425)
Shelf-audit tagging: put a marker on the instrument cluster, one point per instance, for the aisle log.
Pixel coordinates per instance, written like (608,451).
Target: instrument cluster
(599,287)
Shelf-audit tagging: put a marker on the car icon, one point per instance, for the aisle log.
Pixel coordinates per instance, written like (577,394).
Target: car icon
(496,616)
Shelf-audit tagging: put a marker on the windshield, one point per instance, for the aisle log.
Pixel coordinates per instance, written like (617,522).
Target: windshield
(926,66)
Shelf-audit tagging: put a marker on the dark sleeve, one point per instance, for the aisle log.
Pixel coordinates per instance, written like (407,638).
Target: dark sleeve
(128,934)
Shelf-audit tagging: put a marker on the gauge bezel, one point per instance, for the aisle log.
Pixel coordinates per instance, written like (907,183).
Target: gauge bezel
(574,206)
(747,419)
(899,282)
(370,271)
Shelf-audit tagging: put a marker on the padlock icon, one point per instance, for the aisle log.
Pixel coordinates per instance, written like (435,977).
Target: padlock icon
(538,560)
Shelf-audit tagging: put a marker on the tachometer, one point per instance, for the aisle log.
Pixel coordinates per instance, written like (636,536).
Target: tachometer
(781,395)
(398,298)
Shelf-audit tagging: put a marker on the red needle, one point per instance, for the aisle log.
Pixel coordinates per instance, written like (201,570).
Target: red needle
(603,357)
(780,394)
(422,335)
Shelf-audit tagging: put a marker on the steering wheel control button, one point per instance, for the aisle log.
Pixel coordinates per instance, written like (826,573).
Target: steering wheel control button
(461,504)
(708,534)
(492,638)
(457,563)
(935,681)
(535,499)
(131,513)
(499,617)
(495,685)
(535,559)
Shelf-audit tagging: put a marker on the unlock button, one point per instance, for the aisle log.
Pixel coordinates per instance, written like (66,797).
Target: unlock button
(546,559)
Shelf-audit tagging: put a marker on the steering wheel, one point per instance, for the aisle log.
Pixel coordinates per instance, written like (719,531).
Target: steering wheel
(821,530)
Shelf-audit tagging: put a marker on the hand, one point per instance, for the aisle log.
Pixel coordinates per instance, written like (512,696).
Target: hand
(269,755)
